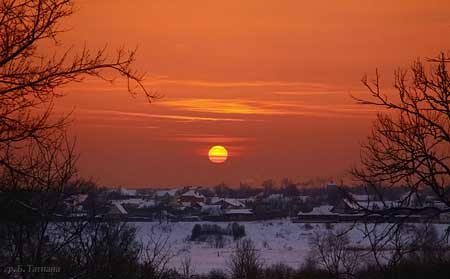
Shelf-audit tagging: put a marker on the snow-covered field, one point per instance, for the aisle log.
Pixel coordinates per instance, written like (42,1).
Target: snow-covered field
(276,240)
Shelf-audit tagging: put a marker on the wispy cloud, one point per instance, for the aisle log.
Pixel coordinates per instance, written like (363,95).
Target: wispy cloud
(121,126)
(159,116)
(265,107)
(226,106)
(213,139)
(250,83)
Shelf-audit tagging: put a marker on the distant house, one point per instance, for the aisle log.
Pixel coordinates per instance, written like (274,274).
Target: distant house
(137,203)
(355,204)
(127,192)
(212,210)
(322,213)
(227,203)
(161,194)
(191,196)
(241,214)
(117,209)
(76,202)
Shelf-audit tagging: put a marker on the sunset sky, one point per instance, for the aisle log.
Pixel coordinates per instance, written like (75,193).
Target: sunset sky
(269,80)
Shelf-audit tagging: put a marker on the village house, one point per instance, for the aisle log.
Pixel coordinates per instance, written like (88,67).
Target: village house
(322,213)
(191,197)
(227,203)
(240,214)
(117,209)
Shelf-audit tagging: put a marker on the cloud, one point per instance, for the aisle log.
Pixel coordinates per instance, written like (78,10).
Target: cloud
(266,107)
(228,84)
(121,126)
(160,116)
(213,139)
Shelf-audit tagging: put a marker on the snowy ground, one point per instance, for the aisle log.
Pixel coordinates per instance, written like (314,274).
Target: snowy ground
(277,241)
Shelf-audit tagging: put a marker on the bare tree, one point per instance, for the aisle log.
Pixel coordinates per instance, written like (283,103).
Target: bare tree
(332,252)
(409,148)
(106,249)
(410,143)
(245,262)
(37,160)
(186,268)
(30,79)
(157,253)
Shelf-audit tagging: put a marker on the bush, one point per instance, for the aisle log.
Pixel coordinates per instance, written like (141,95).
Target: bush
(196,232)
(245,262)
(279,271)
(199,231)
(217,274)
(238,231)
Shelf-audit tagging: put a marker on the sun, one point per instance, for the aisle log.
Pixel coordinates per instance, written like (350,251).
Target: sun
(218,154)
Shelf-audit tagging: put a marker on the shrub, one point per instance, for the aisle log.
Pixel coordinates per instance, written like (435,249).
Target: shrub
(196,232)
(200,232)
(217,274)
(245,262)
(238,231)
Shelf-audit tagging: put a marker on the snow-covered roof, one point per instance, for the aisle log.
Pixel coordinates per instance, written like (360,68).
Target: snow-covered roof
(233,202)
(140,203)
(239,211)
(76,199)
(371,205)
(127,192)
(210,206)
(162,193)
(193,193)
(119,207)
(363,198)
(321,210)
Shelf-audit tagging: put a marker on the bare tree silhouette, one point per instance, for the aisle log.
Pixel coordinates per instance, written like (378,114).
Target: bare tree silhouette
(29,80)
(37,160)
(409,148)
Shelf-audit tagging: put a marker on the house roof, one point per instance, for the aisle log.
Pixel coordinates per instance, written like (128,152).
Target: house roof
(232,202)
(321,210)
(119,207)
(193,193)
(363,198)
(371,205)
(246,211)
(162,193)
(127,192)
(141,203)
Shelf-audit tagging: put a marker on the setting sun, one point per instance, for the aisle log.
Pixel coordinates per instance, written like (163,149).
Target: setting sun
(218,154)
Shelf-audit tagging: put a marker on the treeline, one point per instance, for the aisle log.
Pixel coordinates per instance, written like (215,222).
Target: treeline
(235,230)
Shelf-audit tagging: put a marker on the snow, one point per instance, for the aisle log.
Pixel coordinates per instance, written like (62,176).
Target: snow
(127,192)
(232,202)
(162,193)
(239,211)
(141,203)
(193,193)
(363,198)
(277,241)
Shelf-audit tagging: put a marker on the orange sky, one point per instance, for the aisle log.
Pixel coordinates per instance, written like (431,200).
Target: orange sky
(270,80)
